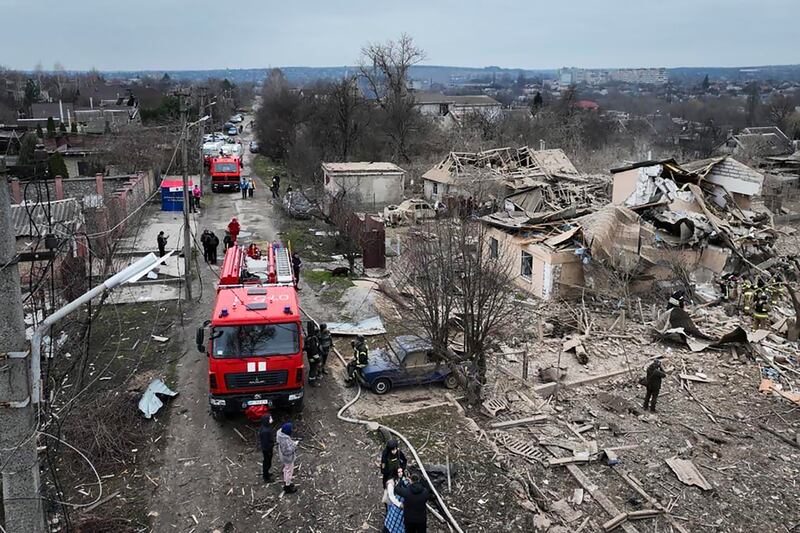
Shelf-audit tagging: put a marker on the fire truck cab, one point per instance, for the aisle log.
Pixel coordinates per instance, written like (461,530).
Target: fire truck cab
(225,173)
(255,345)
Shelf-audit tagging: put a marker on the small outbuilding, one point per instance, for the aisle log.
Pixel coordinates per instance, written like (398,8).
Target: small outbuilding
(370,186)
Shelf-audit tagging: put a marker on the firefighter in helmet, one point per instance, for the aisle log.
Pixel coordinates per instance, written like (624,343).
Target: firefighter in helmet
(360,359)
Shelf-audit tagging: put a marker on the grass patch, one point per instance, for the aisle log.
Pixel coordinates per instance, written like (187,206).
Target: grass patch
(304,242)
(266,168)
(318,278)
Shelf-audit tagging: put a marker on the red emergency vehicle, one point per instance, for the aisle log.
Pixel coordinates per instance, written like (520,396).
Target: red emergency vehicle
(225,173)
(255,349)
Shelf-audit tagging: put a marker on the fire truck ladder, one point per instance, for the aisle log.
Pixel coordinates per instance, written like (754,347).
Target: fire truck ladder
(283,264)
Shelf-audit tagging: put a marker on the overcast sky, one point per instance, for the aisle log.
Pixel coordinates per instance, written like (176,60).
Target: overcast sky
(206,34)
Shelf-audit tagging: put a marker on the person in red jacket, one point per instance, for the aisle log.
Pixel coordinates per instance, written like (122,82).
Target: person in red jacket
(233,228)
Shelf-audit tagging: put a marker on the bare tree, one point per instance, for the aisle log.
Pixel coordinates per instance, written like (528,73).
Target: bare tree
(780,108)
(458,284)
(386,67)
(346,102)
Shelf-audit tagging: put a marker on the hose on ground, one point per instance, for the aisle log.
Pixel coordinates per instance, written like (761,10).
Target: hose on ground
(372,426)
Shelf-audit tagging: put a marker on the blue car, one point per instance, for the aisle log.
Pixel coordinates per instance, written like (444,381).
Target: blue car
(406,361)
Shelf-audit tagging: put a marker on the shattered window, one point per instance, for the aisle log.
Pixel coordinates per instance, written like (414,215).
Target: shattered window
(256,340)
(493,248)
(435,188)
(526,265)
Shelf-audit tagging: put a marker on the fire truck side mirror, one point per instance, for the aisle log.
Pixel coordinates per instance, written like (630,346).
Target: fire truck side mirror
(199,340)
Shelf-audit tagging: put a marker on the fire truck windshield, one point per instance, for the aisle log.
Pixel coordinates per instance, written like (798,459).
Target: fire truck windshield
(256,340)
(225,167)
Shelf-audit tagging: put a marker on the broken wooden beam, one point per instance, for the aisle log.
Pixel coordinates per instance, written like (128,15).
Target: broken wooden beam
(593,490)
(556,461)
(615,522)
(635,485)
(538,419)
(644,513)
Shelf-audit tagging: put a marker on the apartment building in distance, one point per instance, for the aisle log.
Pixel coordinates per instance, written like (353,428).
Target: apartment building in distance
(640,76)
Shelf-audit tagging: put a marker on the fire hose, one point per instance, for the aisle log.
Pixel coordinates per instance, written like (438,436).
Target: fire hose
(372,426)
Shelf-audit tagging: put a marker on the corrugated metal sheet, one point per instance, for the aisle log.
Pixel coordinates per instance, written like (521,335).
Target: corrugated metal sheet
(66,216)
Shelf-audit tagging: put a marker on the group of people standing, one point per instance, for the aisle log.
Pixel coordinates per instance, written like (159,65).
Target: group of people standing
(248,187)
(318,344)
(405,497)
(287,451)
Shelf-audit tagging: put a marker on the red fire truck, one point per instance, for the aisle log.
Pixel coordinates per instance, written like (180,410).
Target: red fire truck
(255,346)
(225,173)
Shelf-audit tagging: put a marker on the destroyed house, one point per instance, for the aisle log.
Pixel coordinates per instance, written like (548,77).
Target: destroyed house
(698,217)
(496,172)
(536,236)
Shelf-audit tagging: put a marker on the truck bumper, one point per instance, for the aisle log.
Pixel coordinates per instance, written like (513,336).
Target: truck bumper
(240,402)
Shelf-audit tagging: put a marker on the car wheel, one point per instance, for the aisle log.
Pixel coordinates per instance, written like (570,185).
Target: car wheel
(450,382)
(381,386)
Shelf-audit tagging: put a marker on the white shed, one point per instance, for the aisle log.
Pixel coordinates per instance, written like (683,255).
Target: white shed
(370,185)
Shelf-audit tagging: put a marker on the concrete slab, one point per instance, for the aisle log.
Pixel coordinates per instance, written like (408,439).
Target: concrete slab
(153,292)
(170,222)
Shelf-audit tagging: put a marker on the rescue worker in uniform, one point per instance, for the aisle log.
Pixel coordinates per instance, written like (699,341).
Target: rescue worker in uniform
(748,293)
(392,459)
(761,311)
(653,383)
(678,299)
(312,352)
(360,359)
(325,345)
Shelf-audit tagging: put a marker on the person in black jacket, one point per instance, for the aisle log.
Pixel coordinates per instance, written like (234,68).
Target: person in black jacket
(392,459)
(266,434)
(161,240)
(313,354)
(653,382)
(415,514)
(213,243)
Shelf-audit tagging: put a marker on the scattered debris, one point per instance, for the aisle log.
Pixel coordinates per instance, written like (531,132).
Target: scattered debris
(367,327)
(150,403)
(687,473)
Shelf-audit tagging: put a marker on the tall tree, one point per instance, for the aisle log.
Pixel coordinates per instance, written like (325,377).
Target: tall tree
(57,166)
(32,94)
(458,276)
(278,117)
(385,67)
(753,102)
(27,147)
(51,127)
(345,100)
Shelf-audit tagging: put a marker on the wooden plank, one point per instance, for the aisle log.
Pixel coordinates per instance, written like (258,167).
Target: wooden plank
(519,422)
(644,513)
(621,472)
(615,522)
(556,461)
(698,379)
(687,473)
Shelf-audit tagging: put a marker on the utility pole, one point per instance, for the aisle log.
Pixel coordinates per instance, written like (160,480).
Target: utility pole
(202,132)
(22,504)
(187,243)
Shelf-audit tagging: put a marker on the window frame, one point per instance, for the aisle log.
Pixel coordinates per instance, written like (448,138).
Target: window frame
(522,257)
(494,248)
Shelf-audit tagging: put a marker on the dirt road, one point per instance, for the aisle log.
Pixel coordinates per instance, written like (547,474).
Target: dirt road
(210,478)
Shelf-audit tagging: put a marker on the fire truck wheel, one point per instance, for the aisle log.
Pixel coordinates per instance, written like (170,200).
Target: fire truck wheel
(450,382)
(381,386)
